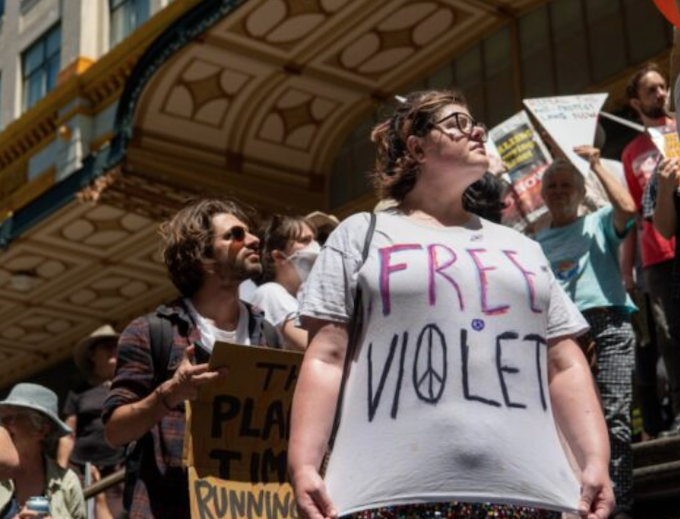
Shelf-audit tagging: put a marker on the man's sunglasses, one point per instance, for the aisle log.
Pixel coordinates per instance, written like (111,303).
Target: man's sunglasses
(236,233)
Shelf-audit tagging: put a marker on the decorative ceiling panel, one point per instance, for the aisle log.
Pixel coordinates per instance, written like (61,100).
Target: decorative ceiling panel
(88,265)
(264,98)
(276,85)
(100,231)
(201,95)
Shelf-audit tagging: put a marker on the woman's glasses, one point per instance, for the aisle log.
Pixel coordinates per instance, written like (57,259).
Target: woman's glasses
(465,124)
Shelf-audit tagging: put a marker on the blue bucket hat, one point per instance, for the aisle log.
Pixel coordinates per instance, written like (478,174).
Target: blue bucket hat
(38,398)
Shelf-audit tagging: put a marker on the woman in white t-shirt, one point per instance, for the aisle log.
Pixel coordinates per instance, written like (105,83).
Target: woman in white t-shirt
(289,251)
(465,360)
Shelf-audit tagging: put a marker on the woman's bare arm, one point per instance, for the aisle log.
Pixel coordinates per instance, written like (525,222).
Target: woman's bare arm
(313,412)
(578,412)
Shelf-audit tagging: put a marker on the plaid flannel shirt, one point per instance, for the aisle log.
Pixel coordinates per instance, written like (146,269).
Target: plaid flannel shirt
(162,489)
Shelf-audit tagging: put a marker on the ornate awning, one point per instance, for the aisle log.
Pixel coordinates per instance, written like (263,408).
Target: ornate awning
(251,99)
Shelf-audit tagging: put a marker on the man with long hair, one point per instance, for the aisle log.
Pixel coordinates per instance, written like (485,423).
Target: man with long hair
(208,250)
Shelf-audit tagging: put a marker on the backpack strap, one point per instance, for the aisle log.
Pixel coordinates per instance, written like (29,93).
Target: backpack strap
(160,344)
(161,336)
(258,325)
(354,330)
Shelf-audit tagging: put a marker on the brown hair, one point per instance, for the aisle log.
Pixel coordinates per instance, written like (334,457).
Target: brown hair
(188,240)
(396,169)
(275,235)
(634,82)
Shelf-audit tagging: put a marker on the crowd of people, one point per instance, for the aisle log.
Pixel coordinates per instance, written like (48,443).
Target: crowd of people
(434,269)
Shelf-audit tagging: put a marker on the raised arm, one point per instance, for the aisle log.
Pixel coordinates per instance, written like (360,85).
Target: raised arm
(579,415)
(665,218)
(314,406)
(9,459)
(619,196)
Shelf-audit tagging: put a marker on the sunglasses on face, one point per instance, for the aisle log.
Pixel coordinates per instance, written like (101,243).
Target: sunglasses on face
(236,233)
(465,124)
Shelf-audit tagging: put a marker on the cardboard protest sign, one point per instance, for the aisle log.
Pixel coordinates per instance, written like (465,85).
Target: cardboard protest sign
(237,436)
(525,158)
(570,121)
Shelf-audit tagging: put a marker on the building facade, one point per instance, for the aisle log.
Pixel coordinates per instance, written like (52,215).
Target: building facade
(113,112)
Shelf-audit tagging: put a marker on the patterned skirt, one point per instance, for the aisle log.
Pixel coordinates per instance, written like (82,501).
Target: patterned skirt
(455,510)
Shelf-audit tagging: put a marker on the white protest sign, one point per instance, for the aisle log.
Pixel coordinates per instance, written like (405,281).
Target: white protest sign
(570,121)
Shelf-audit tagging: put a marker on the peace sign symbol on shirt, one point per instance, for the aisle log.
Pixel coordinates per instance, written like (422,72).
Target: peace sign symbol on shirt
(430,365)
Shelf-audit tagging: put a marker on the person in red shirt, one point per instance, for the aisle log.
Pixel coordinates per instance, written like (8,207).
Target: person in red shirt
(647,93)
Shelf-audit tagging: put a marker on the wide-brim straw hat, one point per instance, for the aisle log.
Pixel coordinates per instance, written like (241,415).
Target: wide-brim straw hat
(81,353)
(38,398)
(320,220)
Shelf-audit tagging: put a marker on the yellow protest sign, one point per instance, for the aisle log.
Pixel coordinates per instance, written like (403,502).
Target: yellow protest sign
(666,140)
(237,436)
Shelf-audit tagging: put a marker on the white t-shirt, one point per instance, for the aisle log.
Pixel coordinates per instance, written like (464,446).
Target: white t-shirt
(210,334)
(276,303)
(447,398)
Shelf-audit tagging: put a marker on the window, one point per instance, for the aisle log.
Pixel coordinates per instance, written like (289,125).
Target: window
(2,8)
(126,16)
(40,66)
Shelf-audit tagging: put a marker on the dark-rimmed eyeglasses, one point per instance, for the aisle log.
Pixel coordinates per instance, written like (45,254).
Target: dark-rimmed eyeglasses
(465,124)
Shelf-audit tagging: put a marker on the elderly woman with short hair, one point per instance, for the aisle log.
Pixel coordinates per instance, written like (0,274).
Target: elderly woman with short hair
(583,253)
(29,414)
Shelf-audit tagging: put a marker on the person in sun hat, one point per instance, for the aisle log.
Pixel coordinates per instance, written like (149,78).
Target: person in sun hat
(323,223)
(95,357)
(30,416)
(9,459)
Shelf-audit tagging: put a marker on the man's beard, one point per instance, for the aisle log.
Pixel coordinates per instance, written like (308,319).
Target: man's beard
(653,112)
(241,270)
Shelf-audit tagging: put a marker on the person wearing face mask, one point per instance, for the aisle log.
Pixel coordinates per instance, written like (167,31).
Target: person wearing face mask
(290,249)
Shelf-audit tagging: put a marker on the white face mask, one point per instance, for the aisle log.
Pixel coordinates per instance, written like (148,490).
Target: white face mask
(303,259)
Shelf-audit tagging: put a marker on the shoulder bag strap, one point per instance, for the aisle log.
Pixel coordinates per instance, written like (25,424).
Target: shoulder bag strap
(352,333)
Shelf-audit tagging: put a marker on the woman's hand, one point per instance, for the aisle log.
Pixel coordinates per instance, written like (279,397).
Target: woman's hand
(589,153)
(597,494)
(312,499)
